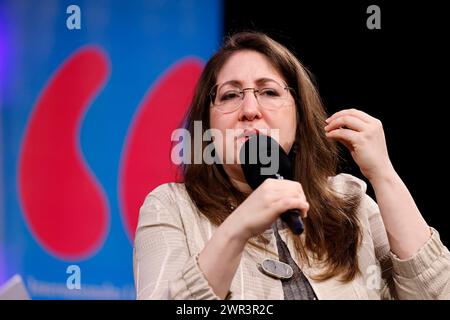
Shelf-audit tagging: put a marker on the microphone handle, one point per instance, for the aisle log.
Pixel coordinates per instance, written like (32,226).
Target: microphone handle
(293,220)
(292,217)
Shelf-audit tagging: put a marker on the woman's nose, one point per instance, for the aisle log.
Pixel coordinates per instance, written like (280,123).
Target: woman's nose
(250,107)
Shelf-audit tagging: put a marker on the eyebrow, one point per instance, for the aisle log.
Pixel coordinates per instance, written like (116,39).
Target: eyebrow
(258,81)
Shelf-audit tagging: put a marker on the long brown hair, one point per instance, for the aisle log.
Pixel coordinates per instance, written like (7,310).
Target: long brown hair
(332,232)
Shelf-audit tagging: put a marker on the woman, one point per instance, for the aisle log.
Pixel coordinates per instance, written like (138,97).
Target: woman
(211,237)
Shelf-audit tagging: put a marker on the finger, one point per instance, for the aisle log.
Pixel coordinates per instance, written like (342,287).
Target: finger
(353,112)
(286,187)
(348,121)
(279,197)
(304,212)
(288,203)
(276,189)
(295,186)
(295,192)
(346,136)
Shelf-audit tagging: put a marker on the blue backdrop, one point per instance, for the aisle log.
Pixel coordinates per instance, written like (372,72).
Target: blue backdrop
(139,41)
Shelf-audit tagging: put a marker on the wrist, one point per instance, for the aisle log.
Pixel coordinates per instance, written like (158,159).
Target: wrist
(384,180)
(386,174)
(234,230)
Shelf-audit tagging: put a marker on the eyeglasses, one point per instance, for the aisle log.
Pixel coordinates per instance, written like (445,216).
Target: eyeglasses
(228,97)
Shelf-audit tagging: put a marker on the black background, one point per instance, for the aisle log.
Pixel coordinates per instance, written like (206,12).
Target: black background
(398,74)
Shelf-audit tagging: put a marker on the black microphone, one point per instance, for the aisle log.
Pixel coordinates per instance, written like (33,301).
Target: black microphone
(261,157)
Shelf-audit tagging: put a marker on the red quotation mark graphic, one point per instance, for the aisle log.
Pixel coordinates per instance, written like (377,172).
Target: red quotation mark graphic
(63,204)
(146,159)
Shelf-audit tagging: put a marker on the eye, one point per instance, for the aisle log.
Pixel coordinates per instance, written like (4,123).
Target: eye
(229,95)
(269,92)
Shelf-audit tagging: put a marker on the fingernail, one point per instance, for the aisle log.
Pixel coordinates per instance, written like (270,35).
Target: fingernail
(327,120)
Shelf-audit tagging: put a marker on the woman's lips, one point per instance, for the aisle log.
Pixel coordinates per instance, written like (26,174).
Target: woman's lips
(243,138)
(247,133)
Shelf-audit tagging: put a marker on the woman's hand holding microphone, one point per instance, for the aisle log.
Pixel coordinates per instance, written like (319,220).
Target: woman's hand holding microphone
(265,204)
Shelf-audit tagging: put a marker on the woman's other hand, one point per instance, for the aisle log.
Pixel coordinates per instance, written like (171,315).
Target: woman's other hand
(363,135)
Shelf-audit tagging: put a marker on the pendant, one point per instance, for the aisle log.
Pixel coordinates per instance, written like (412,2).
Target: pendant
(276,269)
